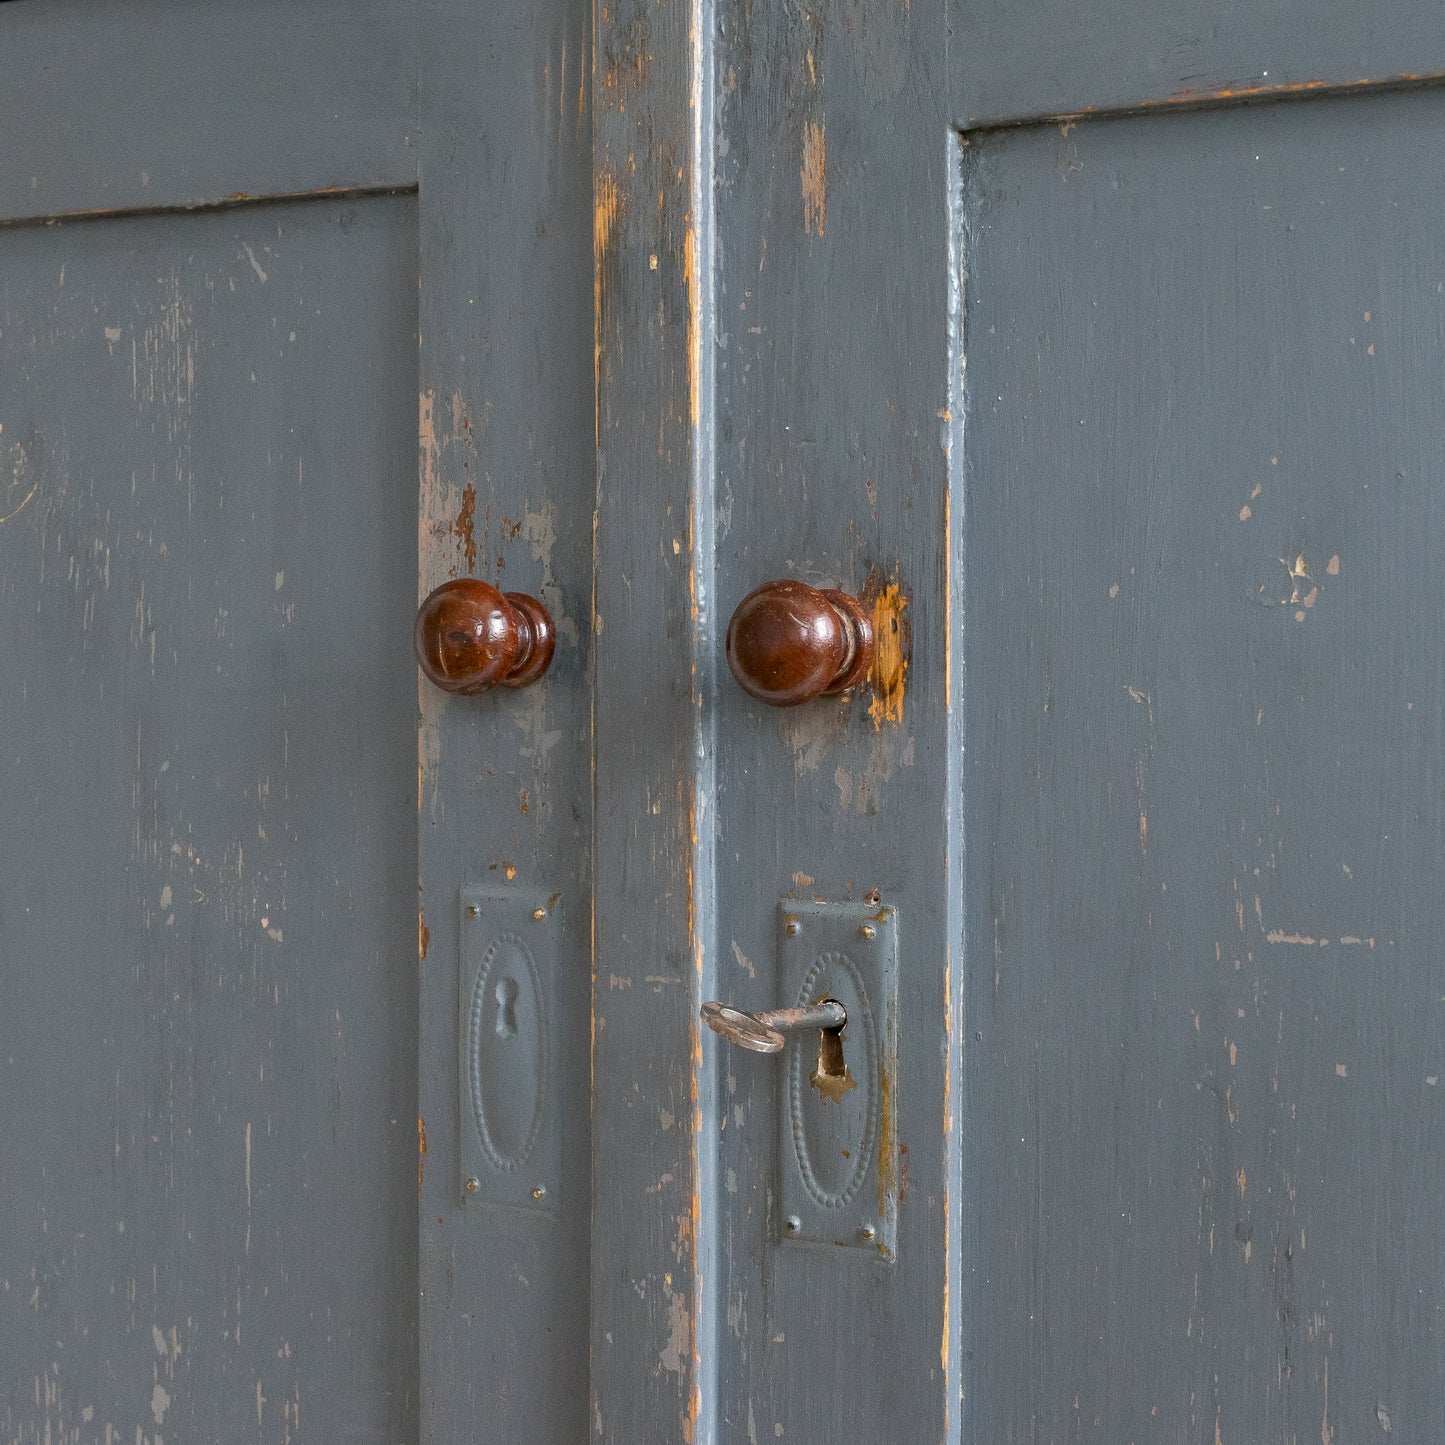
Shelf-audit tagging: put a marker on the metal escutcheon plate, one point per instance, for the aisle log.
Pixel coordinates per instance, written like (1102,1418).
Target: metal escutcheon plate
(839,1152)
(508,1055)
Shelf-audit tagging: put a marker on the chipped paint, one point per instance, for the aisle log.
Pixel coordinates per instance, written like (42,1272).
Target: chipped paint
(814,174)
(606,213)
(890,660)
(887,1146)
(464,526)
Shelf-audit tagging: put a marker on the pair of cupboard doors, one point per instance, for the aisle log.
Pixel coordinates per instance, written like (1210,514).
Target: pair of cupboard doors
(1099,348)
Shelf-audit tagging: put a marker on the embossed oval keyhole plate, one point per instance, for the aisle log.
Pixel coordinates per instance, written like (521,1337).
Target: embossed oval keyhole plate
(507,1056)
(507,1063)
(839,1154)
(833,1104)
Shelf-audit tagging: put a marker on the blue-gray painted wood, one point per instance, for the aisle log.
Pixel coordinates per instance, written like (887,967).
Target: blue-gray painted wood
(208,1006)
(158,106)
(1039,1246)
(1145,1193)
(657,640)
(832,299)
(1060,57)
(173,103)
(1204,709)
(508,492)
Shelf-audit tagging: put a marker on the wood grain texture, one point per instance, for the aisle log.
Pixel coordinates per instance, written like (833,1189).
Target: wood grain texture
(507,494)
(1205,699)
(168,103)
(207,826)
(1011,62)
(654,616)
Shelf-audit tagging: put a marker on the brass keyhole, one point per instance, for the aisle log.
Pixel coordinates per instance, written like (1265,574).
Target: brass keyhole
(505,994)
(832,1078)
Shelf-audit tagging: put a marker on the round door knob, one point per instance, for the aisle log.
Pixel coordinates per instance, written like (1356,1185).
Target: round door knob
(470,637)
(788,643)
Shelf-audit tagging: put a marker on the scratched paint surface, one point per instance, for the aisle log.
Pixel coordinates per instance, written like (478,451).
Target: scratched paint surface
(1205,699)
(207,827)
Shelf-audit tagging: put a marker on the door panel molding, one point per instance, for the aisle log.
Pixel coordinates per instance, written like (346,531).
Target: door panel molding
(165,104)
(1010,63)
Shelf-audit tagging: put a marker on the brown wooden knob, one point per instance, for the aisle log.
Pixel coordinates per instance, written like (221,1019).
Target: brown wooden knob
(470,637)
(789,643)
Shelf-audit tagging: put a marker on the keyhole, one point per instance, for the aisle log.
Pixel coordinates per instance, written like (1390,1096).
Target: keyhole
(505,994)
(832,1078)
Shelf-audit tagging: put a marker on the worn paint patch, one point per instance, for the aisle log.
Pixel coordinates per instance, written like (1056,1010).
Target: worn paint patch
(815,178)
(427,437)
(464,526)
(887,1152)
(694,332)
(540,530)
(420,1155)
(606,212)
(890,655)
(606,208)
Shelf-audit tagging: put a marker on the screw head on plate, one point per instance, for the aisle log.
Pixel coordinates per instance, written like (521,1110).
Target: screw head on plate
(792,1224)
(540,1192)
(867,1231)
(473,1184)
(867,931)
(792,928)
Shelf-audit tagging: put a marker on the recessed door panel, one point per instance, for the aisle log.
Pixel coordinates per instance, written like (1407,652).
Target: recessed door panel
(1205,362)
(208,823)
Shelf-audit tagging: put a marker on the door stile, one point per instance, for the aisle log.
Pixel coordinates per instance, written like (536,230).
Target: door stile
(656,640)
(506,476)
(835,424)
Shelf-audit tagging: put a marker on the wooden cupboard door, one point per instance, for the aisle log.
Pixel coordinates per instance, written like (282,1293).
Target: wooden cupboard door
(208,820)
(1105,397)
(287,305)
(1211,1015)
(1100,353)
